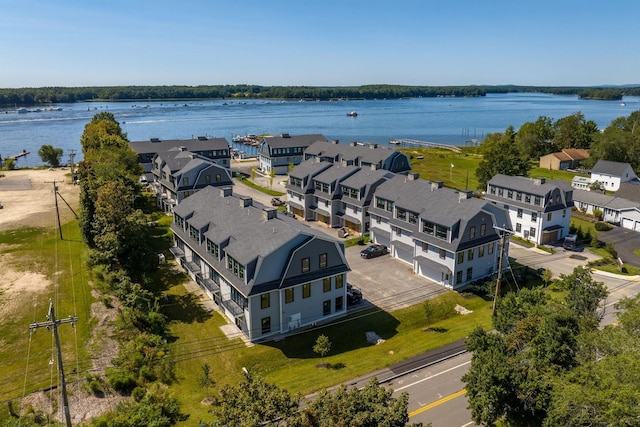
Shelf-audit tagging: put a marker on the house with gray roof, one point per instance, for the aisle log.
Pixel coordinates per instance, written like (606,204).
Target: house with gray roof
(269,275)
(540,211)
(612,174)
(615,210)
(216,149)
(442,234)
(178,174)
(362,155)
(278,153)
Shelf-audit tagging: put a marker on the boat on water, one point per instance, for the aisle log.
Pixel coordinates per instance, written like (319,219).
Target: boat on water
(394,142)
(352,114)
(22,110)
(622,104)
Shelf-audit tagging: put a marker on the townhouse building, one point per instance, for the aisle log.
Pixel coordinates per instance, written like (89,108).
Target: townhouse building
(177,174)
(269,275)
(442,234)
(540,211)
(366,156)
(334,194)
(215,149)
(279,153)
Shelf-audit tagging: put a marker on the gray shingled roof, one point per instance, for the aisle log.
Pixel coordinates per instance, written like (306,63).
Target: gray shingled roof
(335,173)
(195,144)
(364,153)
(528,185)
(598,199)
(294,140)
(629,190)
(610,168)
(308,168)
(365,177)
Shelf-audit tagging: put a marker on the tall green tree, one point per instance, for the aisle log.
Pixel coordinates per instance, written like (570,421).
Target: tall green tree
(500,156)
(574,131)
(535,139)
(619,142)
(50,154)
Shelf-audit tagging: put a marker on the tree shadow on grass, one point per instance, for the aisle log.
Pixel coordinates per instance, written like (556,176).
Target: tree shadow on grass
(184,308)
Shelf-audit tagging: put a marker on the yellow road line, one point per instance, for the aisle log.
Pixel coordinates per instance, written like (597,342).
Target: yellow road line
(437,402)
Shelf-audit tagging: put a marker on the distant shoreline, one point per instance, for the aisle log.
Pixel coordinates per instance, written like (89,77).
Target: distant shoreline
(55,95)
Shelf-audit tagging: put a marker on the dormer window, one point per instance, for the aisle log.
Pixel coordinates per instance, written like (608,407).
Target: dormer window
(401,214)
(185,180)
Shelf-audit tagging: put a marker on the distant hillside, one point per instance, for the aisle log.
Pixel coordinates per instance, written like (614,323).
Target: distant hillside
(48,95)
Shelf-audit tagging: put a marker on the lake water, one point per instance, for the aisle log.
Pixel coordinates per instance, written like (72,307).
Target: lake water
(443,120)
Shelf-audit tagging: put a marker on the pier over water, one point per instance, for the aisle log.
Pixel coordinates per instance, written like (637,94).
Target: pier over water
(404,142)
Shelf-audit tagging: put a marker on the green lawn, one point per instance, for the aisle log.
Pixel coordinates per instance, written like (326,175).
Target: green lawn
(34,252)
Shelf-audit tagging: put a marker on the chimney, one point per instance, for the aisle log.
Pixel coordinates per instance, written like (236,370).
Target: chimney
(353,143)
(285,135)
(375,166)
(269,213)
(202,138)
(464,195)
(373,146)
(226,191)
(538,181)
(335,141)
(413,176)
(155,139)
(183,148)
(435,185)
(245,201)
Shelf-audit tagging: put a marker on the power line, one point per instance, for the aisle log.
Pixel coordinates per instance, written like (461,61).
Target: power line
(52,322)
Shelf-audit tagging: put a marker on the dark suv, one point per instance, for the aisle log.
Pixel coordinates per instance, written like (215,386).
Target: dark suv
(373,251)
(354,295)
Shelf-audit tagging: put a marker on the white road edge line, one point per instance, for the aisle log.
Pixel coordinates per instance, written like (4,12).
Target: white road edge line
(432,376)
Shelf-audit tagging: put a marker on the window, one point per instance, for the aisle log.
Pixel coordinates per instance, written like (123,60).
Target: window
(534,216)
(288,295)
(509,194)
(491,247)
(564,213)
(480,251)
(532,232)
(193,232)
(235,267)
(305,265)
(212,248)
(266,325)
(401,214)
(536,201)
(398,231)
(207,179)
(428,227)
(441,232)
(519,196)
(527,198)
(518,227)
(500,192)
(443,254)
(492,189)
(469,273)
(470,254)
(380,204)
(425,247)
(265,301)
(306,290)
(413,218)
(549,216)
(483,229)
(472,232)
(326,307)
(326,284)
(185,181)
(323,260)
(218,178)
(339,303)
(519,213)
(460,257)
(389,206)
(459,277)
(339,281)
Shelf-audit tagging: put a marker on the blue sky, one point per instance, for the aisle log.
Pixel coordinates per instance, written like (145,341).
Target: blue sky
(323,42)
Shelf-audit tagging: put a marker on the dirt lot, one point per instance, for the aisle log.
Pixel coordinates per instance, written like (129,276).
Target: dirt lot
(28,200)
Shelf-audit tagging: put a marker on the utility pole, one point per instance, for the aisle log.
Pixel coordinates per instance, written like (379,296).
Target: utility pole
(505,234)
(72,154)
(55,194)
(52,322)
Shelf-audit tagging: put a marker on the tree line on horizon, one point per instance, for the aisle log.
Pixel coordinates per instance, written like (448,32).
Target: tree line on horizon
(49,95)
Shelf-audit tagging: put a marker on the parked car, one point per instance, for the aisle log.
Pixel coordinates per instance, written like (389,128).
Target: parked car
(570,242)
(276,202)
(374,251)
(354,295)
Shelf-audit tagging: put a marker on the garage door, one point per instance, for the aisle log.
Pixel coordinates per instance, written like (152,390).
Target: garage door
(429,273)
(380,239)
(628,223)
(403,255)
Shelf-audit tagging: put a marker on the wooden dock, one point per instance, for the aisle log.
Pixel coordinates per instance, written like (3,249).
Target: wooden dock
(17,156)
(405,142)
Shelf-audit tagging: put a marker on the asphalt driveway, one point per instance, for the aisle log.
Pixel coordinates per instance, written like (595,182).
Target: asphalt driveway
(625,241)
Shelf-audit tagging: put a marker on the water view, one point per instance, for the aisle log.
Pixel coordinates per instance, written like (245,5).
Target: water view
(456,121)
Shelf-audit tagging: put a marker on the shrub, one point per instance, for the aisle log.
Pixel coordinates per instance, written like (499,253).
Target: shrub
(611,249)
(122,381)
(602,226)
